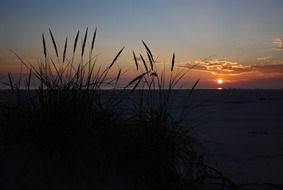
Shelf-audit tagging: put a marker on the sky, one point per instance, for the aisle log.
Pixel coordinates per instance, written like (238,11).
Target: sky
(243,39)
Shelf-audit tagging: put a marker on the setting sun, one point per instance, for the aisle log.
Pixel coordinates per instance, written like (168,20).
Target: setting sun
(219,81)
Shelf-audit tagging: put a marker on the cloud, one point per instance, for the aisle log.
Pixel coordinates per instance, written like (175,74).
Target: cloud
(225,67)
(264,58)
(278,68)
(279,44)
(219,67)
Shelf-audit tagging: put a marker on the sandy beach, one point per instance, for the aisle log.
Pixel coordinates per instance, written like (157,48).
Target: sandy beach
(242,131)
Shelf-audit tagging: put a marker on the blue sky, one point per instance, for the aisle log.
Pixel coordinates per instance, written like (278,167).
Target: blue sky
(246,32)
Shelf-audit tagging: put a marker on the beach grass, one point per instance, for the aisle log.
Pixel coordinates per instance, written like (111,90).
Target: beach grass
(77,117)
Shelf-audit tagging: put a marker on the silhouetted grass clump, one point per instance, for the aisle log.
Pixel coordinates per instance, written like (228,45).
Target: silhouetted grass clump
(74,123)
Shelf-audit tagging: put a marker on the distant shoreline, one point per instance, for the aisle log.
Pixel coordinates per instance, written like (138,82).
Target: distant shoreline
(180,89)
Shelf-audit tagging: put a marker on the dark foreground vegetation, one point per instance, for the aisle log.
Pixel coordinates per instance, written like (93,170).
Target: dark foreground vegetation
(78,129)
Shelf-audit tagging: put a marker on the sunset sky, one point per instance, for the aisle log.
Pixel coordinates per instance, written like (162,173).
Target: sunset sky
(243,38)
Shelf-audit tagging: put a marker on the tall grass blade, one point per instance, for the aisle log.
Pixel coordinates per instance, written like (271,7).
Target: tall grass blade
(136,78)
(194,86)
(150,61)
(84,42)
(76,41)
(136,85)
(144,63)
(154,74)
(118,76)
(65,49)
(21,60)
(173,62)
(10,82)
(28,80)
(205,59)
(116,57)
(54,42)
(148,50)
(136,62)
(44,45)
(177,78)
(93,40)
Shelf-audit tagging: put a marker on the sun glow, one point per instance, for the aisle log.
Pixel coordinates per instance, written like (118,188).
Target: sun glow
(219,81)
